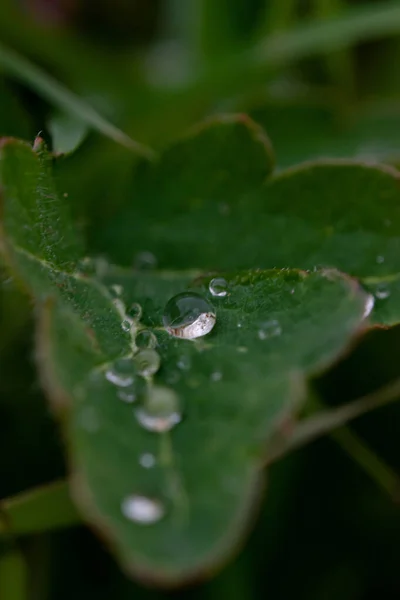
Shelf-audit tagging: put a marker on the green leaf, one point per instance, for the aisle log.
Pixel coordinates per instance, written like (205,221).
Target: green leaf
(35,511)
(67,133)
(340,214)
(233,388)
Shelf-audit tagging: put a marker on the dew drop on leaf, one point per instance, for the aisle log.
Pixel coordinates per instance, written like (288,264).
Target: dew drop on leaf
(126,325)
(216,376)
(145,339)
(142,509)
(144,261)
(188,315)
(134,312)
(127,394)
(382,292)
(147,362)
(160,410)
(269,329)
(147,460)
(121,373)
(380,259)
(218,287)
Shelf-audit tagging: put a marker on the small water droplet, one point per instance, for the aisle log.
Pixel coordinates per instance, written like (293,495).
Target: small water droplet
(382,291)
(142,509)
(218,287)
(369,305)
(239,324)
(292,291)
(184,362)
(148,362)
(160,410)
(269,329)
(242,349)
(121,373)
(380,259)
(147,460)
(216,376)
(145,339)
(188,315)
(126,325)
(86,266)
(134,312)
(116,290)
(145,260)
(127,394)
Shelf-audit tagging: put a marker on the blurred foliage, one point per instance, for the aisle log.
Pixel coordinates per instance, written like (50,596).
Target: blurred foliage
(322,77)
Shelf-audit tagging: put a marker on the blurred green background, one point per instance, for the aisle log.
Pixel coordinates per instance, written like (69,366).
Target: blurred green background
(323,78)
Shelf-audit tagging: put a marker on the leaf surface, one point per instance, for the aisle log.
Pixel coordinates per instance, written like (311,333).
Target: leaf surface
(332,213)
(233,387)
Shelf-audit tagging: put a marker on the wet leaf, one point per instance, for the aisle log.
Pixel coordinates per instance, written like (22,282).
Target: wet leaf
(170,504)
(331,213)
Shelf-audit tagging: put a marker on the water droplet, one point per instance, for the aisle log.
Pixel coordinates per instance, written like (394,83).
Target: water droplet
(126,325)
(116,290)
(239,324)
(218,287)
(188,315)
(145,260)
(148,362)
(147,460)
(269,329)
(380,259)
(86,266)
(369,305)
(121,373)
(127,394)
(382,291)
(216,376)
(242,349)
(160,410)
(184,362)
(134,312)
(145,339)
(142,509)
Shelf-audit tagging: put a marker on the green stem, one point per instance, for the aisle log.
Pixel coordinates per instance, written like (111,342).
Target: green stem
(13,576)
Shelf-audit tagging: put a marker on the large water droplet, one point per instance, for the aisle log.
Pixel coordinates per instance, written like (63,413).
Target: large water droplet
(142,509)
(145,339)
(218,287)
(122,372)
(147,362)
(269,329)
(160,410)
(382,291)
(145,260)
(147,460)
(188,315)
(134,312)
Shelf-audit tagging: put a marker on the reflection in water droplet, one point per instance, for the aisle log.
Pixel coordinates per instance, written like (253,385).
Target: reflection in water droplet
(380,259)
(184,362)
(218,287)
(126,325)
(144,261)
(369,305)
(269,329)
(145,339)
(142,509)
(189,316)
(382,291)
(121,373)
(134,312)
(160,410)
(147,460)
(148,362)
(216,376)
